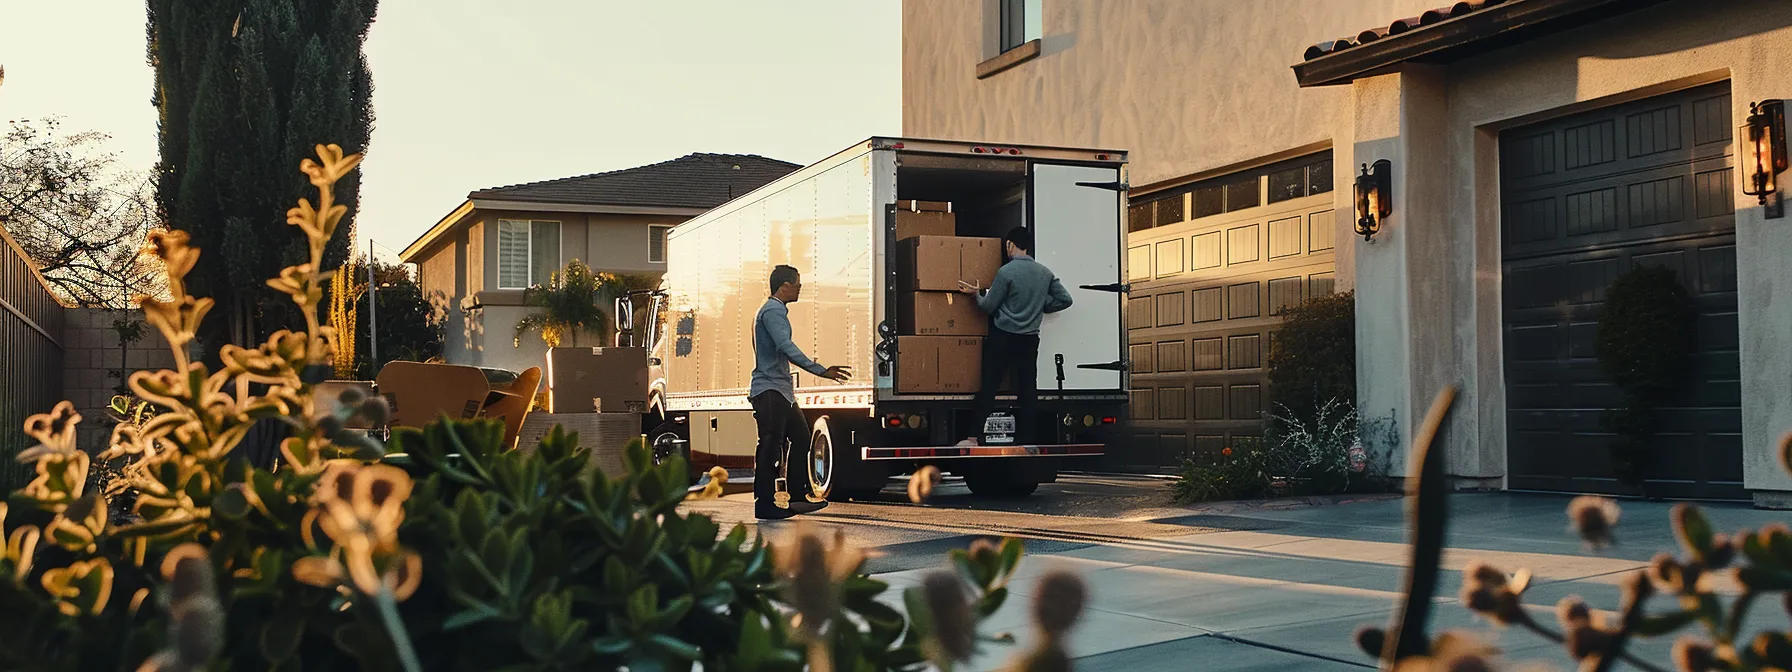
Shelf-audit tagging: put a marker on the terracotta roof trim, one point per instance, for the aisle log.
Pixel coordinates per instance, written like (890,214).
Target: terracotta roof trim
(1430,16)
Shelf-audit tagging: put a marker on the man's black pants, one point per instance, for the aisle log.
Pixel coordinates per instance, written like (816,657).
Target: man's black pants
(779,421)
(1003,353)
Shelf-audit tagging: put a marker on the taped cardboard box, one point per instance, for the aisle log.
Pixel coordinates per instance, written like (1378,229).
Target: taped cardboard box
(420,393)
(938,263)
(939,364)
(597,380)
(924,218)
(924,206)
(941,314)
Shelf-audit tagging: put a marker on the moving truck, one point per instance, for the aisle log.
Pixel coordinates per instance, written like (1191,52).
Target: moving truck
(881,233)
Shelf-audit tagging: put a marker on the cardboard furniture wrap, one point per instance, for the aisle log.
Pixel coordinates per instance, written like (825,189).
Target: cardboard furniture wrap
(939,364)
(419,393)
(938,263)
(597,380)
(941,314)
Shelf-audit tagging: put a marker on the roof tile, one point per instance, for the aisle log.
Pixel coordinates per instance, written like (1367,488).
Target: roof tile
(1397,27)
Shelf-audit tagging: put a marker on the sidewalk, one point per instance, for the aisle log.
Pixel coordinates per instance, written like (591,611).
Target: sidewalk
(1288,588)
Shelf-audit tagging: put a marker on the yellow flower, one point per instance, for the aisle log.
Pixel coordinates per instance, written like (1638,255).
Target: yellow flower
(335,165)
(54,431)
(60,480)
(76,528)
(359,507)
(20,547)
(179,319)
(171,246)
(82,587)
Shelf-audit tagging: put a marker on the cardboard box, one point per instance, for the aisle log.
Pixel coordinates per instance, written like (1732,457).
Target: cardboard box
(939,364)
(597,380)
(941,314)
(910,224)
(420,393)
(938,263)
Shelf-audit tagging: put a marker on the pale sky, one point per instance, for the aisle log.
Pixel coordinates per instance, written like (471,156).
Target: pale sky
(469,96)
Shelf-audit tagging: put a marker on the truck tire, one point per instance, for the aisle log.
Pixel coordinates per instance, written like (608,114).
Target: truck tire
(836,472)
(998,484)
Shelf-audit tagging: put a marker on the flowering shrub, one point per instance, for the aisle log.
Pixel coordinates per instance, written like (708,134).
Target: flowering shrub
(1236,473)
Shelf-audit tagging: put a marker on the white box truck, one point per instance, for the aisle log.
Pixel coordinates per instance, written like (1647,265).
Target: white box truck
(835,221)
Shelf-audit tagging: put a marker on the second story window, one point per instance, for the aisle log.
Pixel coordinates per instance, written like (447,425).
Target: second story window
(1022,22)
(656,243)
(528,252)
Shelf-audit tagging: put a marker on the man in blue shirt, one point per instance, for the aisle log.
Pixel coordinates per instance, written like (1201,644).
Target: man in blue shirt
(783,431)
(1023,292)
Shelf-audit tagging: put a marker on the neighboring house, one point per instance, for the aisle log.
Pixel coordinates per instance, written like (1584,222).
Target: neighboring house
(1537,149)
(475,263)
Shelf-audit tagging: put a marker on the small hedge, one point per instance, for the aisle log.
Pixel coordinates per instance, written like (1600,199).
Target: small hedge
(1312,359)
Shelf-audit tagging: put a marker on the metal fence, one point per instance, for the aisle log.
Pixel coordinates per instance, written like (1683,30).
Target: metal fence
(30,355)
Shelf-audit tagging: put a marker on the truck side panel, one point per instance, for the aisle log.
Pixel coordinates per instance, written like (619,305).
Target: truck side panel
(821,224)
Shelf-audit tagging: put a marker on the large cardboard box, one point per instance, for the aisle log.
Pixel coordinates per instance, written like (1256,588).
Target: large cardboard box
(924,218)
(941,314)
(939,364)
(911,224)
(938,263)
(597,380)
(420,393)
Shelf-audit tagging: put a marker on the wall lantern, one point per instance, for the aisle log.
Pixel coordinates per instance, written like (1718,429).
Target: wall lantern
(1374,197)
(1765,152)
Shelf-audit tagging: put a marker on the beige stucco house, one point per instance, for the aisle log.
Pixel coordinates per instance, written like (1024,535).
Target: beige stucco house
(476,261)
(1537,149)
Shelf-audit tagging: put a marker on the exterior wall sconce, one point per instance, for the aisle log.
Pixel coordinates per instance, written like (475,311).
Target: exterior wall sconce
(1374,197)
(1765,152)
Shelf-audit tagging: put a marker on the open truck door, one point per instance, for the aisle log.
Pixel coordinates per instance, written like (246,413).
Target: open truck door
(1076,216)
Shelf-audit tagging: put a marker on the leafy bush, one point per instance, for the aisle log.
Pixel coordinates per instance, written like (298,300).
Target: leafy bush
(1312,359)
(1237,473)
(1644,344)
(520,560)
(1334,451)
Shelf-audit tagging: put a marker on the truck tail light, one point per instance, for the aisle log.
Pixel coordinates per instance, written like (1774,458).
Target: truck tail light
(893,421)
(1108,420)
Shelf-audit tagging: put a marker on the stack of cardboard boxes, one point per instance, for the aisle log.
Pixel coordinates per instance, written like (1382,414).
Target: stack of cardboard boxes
(939,346)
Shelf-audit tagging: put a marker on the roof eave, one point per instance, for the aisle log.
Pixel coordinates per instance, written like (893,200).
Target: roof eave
(1453,35)
(442,227)
(488,203)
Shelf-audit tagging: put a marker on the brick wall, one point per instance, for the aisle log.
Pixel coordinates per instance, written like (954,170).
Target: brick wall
(93,359)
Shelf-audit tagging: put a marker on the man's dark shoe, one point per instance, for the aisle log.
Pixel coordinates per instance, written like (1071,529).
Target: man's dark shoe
(764,510)
(806,506)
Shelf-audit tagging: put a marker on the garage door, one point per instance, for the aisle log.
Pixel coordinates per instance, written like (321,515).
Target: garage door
(1584,199)
(1212,265)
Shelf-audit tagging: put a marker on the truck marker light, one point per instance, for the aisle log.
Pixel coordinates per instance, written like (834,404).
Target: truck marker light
(1088,421)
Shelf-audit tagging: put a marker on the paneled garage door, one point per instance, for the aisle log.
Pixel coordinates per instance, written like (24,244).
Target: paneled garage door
(1212,266)
(1584,199)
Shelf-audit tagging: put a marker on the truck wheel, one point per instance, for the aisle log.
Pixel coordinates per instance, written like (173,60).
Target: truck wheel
(821,458)
(992,483)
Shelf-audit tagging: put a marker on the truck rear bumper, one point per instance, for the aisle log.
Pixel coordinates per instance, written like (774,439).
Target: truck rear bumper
(966,452)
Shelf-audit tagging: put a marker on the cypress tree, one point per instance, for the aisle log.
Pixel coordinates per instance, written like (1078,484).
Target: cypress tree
(245,89)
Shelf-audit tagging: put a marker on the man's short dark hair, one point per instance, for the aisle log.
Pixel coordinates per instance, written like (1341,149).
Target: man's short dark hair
(781,275)
(1022,237)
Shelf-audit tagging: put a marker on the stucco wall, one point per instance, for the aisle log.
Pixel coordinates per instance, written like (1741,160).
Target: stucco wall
(1464,106)
(1185,85)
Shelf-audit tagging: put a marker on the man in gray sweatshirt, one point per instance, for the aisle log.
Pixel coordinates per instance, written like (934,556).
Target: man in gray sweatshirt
(1023,292)
(783,431)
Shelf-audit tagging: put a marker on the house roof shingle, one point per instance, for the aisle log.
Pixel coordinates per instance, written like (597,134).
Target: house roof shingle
(692,181)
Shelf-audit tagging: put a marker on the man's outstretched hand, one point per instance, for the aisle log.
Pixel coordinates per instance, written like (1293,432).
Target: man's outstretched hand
(838,374)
